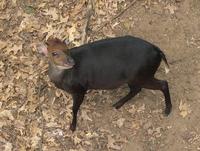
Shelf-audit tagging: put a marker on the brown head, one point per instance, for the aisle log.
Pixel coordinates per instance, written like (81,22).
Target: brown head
(56,51)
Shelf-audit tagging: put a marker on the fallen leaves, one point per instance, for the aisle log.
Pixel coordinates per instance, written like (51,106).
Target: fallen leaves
(5,145)
(156,132)
(171,8)
(85,116)
(29,23)
(3,44)
(6,114)
(120,122)
(73,33)
(184,109)
(141,108)
(76,140)
(48,116)
(112,143)
(132,110)
(14,2)
(52,12)
(90,135)
(108,33)
(3,4)
(14,49)
(6,118)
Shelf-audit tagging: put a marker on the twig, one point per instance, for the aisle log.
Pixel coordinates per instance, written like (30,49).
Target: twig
(42,132)
(118,15)
(39,108)
(88,16)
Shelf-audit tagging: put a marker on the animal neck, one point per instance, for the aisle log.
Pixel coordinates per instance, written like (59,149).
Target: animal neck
(55,73)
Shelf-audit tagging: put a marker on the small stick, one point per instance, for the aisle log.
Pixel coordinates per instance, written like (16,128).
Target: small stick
(118,15)
(85,27)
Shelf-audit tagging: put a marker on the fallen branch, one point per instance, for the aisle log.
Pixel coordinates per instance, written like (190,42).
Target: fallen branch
(88,16)
(118,15)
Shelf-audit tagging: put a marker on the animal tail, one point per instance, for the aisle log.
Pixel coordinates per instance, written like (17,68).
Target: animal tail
(165,60)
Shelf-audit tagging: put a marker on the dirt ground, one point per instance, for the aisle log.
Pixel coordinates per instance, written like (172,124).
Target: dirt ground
(34,115)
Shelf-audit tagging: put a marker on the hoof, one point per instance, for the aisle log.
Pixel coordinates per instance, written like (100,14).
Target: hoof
(116,106)
(72,127)
(168,111)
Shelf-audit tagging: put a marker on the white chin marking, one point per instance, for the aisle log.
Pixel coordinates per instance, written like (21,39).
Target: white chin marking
(64,67)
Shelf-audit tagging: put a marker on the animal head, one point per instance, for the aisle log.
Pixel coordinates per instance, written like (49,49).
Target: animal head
(57,53)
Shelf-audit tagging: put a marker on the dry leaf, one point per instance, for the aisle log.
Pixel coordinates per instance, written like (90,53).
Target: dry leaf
(8,147)
(111,143)
(150,131)
(73,150)
(19,124)
(3,44)
(3,123)
(48,116)
(171,8)
(184,109)
(72,31)
(132,110)
(14,2)
(141,108)
(14,48)
(5,16)
(121,1)
(76,140)
(91,135)
(3,4)
(78,8)
(64,19)
(58,93)
(58,132)
(53,13)
(41,5)
(1,102)
(108,32)
(6,114)
(36,134)
(1,66)
(120,122)
(85,116)
(49,30)
(54,30)
(35,141)
(52,124)
(157,132)
(135,125)
(29,23)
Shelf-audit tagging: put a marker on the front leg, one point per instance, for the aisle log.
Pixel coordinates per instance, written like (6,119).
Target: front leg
(77,101)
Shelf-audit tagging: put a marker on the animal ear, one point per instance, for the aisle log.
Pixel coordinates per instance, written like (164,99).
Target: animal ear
(42,48)
(66,41)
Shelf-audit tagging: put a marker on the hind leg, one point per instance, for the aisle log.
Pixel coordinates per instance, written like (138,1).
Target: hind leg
(161,85)
(133,91)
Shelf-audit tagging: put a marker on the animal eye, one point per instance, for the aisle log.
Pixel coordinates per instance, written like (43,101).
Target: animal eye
(54,54)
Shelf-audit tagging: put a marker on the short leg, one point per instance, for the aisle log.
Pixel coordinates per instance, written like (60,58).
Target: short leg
(133,91)
(77,101)
(161,85)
